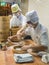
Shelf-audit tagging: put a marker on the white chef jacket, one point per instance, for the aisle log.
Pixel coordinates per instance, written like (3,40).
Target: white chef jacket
(21,21)
(39,34)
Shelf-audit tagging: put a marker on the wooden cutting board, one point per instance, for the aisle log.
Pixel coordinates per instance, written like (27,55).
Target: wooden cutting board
(2,58)
(6,58)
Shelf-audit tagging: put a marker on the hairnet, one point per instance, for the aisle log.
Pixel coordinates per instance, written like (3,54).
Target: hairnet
(32,16)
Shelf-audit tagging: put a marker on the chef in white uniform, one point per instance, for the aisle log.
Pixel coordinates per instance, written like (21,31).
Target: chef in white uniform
(18,19)
(38,32)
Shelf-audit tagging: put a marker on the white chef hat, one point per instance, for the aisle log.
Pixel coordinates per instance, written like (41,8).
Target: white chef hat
(32,16)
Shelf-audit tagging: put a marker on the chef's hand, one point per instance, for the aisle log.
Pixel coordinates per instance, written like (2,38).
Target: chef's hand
(18,32)
(21,33)
(29,50)
(32,52)
(9,37)
(25,47)
(19,36)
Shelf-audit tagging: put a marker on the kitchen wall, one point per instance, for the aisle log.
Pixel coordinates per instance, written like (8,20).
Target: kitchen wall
(24,6)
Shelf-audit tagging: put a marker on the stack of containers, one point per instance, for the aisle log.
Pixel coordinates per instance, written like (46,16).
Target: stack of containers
(14,30)
(4,28)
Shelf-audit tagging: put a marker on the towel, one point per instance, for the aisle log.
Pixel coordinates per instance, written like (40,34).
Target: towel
(20,58)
